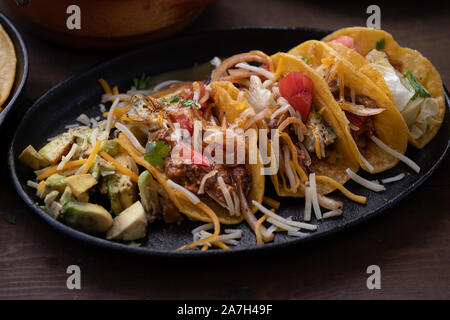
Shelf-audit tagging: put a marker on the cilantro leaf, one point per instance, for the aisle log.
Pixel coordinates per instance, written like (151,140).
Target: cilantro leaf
(307,59)
(9,218)
(156,152)
(380,44)
(173,99)
(176,99)
(420,91)
(188,103)
(141,83)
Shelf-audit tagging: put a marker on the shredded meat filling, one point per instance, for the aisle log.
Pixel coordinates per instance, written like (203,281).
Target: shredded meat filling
(190,176)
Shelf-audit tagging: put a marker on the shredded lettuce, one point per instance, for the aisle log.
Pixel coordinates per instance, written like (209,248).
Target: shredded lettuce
(400,90)
(418,110)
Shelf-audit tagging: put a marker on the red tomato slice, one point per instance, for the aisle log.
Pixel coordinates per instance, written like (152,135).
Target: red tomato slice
(347,41)
(186,151)
(297,89)
(184,122)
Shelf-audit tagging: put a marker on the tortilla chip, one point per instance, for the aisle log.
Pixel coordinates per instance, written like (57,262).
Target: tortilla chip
(8,63)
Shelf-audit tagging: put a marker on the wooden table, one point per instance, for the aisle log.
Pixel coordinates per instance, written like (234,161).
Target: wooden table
(410,242)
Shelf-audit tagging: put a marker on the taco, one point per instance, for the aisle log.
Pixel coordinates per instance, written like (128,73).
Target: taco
(324,148)
(404,74)
(285,96)
(225,189)
(362,109)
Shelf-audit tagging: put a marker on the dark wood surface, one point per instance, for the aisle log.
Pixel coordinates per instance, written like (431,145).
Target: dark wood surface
(410,242)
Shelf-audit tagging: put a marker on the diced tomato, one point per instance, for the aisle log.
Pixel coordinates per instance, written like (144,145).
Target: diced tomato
(187,152)
(347,41)
(202,92)
(297,89)
(183,120)
(356,120)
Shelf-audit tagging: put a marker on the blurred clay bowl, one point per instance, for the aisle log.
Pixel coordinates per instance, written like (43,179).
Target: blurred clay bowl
(107,24)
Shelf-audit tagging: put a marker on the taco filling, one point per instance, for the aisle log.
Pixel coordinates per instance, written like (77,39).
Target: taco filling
(410,97)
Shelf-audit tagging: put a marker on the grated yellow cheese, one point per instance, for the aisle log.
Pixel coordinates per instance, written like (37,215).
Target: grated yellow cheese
(340,187)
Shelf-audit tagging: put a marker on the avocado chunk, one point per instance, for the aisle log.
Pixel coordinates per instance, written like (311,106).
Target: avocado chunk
(55,149)
(99,166)
(56,182)
(149,195)
(110,146)
(83,197)
(33,159)
(130,224)
(80,183)
(67,196)
(121,189)
(87,217)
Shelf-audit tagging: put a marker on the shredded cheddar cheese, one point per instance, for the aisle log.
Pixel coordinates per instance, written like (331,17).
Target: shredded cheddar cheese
(340,187)
(317,145)
(220,244)
(126,144)
(118,112)
(40,187)
(53,169)
(271,202)
(120,168)
(105,85)
(259,239)
(90,159)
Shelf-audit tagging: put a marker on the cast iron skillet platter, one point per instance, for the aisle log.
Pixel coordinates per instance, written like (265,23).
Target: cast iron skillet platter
(21,68)
(81,94)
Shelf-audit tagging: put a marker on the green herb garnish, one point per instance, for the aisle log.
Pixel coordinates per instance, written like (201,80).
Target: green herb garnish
(187,103)
(307,59)
(176,98)
(9,218)
(156,152)
(141,83)
(380,44)
(420,91)
(173,99)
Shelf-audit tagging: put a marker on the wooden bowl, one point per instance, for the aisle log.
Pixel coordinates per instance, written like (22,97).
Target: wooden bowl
(107,24)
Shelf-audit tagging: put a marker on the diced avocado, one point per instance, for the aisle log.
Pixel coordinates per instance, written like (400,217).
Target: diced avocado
(55,149)
(121,189)
(87,217)
(67,196)
(149,195)
(83,197)
(129,225)
(56,182)
(86,132)
(33,159)
(111,147)
(100,165)
(80,183)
